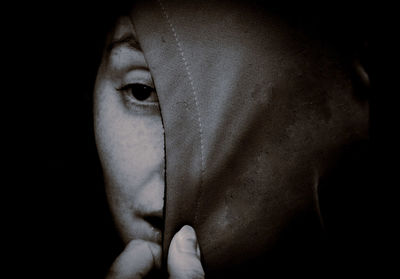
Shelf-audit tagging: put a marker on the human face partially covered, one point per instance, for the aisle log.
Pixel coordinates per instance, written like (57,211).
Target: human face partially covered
(130,137)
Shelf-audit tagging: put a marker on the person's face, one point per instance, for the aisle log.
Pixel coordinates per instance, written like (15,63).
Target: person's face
(130,137)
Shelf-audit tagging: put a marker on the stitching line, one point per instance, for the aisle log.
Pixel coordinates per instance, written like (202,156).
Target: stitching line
(194,93)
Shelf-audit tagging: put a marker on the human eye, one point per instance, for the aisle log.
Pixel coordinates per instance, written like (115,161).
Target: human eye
(139,94)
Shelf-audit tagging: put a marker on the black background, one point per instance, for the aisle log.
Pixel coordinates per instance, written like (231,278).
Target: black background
(58,224)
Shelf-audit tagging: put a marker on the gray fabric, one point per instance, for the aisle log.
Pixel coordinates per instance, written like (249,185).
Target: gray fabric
(250,125)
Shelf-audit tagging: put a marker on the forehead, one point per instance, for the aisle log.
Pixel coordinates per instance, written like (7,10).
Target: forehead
(122,50)
(122,28)
(123,34)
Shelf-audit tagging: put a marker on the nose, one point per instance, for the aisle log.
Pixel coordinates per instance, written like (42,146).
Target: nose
(150,202)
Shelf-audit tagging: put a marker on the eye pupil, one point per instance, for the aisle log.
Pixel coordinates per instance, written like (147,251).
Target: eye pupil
(140,91)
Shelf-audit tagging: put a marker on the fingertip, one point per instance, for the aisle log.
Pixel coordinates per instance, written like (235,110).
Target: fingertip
(187,229)
(186,240)
(184,255)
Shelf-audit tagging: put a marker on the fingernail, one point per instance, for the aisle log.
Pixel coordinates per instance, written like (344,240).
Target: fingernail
(187,240)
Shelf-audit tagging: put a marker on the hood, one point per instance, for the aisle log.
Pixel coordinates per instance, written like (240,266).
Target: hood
(254,118)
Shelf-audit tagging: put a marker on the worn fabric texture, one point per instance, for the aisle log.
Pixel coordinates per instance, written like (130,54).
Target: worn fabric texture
(254,118)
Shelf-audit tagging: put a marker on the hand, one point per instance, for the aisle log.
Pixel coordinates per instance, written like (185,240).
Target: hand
(140,257)
(184,255)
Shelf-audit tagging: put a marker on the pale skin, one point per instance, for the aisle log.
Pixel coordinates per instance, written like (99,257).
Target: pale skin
(130,142)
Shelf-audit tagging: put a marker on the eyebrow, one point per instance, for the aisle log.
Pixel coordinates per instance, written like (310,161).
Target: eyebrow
(128,40)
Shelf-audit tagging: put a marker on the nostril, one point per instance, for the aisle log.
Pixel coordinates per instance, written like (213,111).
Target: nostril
(156,221)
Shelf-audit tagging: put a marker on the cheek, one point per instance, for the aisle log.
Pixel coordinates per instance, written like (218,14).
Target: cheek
(131,147)
(131,150)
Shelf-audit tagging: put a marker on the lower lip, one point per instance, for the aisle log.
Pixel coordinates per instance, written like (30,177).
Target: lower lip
(156,235)
(152,234)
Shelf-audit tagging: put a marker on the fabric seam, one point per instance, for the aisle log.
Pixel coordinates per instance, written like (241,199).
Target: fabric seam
(194,93)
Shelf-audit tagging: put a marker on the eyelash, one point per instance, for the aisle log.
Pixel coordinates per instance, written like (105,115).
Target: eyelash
(133,93)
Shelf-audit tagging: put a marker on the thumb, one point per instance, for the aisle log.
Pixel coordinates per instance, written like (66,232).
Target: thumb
(184,255)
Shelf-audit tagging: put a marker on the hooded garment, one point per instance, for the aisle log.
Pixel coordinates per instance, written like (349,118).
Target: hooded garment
(251,128)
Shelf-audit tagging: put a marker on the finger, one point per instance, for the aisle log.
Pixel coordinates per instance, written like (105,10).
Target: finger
(137,259)
(184,255)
